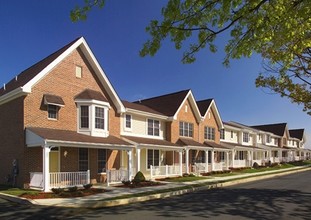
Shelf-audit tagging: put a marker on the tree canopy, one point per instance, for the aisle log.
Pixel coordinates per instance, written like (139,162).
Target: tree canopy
(278,30)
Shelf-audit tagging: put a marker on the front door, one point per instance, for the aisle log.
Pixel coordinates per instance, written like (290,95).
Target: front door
(54,160)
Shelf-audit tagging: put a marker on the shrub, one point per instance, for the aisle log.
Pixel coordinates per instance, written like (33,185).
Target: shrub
(139,177)
(255,165)
(57,190)
(191,175)
(87,186)
(126,183)
(73,189)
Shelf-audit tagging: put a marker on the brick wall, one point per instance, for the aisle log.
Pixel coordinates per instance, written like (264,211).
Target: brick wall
(186,116)
(12,139)
(210,121)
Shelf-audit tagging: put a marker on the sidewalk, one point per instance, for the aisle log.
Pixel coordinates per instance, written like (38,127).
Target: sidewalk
(169,189)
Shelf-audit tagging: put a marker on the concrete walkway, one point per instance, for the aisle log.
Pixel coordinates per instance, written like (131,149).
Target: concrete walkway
(109,198)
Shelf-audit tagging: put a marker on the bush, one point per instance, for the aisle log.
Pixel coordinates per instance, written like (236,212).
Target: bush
(57,190)
(255,165)
(191,175)
(73,189)
(127,183)
(139,177)
(87,186)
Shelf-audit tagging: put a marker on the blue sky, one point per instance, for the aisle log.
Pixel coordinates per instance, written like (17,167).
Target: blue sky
(31,30)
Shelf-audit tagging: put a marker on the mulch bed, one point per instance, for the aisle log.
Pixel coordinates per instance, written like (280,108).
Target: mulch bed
(141,184)
(65,194)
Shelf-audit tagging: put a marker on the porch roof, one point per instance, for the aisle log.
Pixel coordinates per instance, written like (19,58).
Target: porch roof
(239,146)
(289,148)
(265,147)
(190,143)
(36,136)
(215,145)
(149,142)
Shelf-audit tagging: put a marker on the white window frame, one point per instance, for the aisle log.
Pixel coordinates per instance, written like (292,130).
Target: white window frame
(92,130)
(153,127)
(153,150)
(209,133)
(245,137)
(222,134)
(126,121)
(56,111)
(184,129)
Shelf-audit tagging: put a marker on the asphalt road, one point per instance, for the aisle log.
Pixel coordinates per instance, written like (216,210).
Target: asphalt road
(286,197)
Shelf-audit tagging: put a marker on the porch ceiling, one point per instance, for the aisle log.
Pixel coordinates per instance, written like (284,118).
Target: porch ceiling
(36,136)
(149,142)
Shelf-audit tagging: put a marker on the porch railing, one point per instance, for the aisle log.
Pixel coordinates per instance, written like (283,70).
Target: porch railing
(164,171)
(239,163)
(117,176)
(200,168)
(219,166)
(69,179)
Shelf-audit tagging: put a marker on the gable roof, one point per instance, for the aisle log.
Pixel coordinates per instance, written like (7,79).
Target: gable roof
(297,133)
(28,78)
(28,74)
(277,129)
(170,104)
(207,104)
(140,108)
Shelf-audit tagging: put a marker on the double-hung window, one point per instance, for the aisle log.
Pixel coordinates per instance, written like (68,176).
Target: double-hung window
(128,122)
(153,158)
(209,133)
(52,112)
(84,116)
(83,159)
(99,118)
(185,129)
(153,127)
(268,138)
(245,137)
(101,160)
(222,134)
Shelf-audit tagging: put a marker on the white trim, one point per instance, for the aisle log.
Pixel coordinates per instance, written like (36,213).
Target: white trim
(147,114)
(193,104)
(213,107)
(124,133)
(92,61)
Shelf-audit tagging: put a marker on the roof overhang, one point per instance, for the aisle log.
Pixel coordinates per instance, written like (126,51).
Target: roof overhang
(147,114)
(16,93)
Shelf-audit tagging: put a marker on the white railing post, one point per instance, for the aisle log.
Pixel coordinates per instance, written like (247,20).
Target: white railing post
(151,172)
(180,162)
(166,170)
(108,177)
(187,161)
(206,161)
(46,168)
(88,177)
(212,160)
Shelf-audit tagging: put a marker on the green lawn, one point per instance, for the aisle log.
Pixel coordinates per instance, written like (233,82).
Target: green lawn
(16,191)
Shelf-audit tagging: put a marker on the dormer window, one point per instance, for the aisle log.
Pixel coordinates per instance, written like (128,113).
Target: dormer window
(93,111)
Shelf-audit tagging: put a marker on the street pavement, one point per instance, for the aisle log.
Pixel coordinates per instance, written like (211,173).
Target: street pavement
(282,197)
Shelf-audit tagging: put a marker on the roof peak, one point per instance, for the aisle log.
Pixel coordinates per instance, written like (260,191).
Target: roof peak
(161,96)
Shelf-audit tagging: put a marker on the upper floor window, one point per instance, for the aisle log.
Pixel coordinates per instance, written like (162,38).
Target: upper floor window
(93,113)
(231,134)
(259,137)
(185,129)
(128,121)
(153,127)
(245,137)
(275,141)
(99,118)
(268,138)
(84,116)
(222,134)
(209,133)
(52,112)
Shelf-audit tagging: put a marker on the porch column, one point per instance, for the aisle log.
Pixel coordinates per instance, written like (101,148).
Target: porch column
(206,161)
(129,164)
(280,156)
(187,160)
(212,160)
(299,155)
(227,160)
(138,159)
(251,158)
(233,158)
(180,162)
(46,168)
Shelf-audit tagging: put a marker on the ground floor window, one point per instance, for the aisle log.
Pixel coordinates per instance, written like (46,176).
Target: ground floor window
(219,156)
(101,160)
(240,155)
(153,158)
(83,159)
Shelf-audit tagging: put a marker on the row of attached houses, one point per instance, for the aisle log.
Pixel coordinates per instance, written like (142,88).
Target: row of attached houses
(63,124)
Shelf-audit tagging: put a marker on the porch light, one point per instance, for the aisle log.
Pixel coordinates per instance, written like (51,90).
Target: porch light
(65,153)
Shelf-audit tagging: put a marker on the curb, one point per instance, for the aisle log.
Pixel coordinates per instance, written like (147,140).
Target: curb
(125,201)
